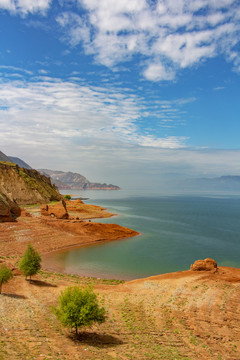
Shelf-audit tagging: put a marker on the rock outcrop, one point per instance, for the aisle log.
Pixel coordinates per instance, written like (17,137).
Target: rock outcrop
(9,210)
(58,211)
(26,186)
(204,265)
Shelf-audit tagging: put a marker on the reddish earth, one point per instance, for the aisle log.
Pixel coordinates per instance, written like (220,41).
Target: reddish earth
(185,316)
(49,234)
(188,315)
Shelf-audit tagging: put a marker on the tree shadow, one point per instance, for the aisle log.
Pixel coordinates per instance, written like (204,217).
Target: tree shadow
(14,296)
(94,339)
(41,283)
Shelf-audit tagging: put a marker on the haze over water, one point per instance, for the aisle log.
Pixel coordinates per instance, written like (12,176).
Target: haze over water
(175,231)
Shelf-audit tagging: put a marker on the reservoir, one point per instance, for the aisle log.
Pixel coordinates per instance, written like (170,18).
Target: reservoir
(175,231)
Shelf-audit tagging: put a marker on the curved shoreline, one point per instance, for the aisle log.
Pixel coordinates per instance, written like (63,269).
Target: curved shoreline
(49,235)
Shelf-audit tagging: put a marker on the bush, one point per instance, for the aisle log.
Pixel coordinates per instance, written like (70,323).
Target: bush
(79,307)
(30,264)
(5,275)
(67,197)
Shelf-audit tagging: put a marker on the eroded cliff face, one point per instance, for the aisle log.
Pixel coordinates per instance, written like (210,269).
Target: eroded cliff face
(25,186)
(9,210)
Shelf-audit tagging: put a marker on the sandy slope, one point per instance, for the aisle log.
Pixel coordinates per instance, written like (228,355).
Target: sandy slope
(186,315)
(183,315)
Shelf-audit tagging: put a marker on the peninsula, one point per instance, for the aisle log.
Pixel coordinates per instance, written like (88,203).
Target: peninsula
(187,315)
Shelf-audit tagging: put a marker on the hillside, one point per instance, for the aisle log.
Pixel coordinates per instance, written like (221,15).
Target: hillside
(180,316)
(4,157)
(19,162)
(24,186)
(70,180)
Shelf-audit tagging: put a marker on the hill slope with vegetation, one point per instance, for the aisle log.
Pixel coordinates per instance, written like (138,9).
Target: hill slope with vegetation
(4,157)
(25,186)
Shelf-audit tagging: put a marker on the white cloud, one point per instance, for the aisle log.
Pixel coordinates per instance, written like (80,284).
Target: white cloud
(64,110)
(15,68)
(77,127)
(24,7)
(95,131)
(156,72)
(180,33)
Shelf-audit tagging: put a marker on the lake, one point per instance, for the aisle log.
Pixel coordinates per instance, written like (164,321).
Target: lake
(175,231)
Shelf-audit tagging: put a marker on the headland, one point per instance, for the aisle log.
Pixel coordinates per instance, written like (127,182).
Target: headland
(58,226)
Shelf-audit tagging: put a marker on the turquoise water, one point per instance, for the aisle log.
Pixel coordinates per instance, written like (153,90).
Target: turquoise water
(175,231)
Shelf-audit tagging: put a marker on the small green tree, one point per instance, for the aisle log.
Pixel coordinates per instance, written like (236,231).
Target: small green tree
(5,275)
(30,264)
(79,307)
(67,197)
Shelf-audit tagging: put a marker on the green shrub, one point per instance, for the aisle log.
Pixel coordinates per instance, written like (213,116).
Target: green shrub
(5,275)
(67,197)
(79,307)
(30,264)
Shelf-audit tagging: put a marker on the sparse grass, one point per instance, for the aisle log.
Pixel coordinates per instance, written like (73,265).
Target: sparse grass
(138,327)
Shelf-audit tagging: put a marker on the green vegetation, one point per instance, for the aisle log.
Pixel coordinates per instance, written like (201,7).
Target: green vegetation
(30,264)
(5,275)
(8,163)
(79,307)
(67,197)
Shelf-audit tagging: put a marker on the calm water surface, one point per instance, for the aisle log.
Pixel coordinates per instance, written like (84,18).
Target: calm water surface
(175,231)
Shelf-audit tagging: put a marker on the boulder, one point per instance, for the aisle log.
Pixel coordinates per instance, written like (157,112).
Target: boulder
(204,265)
(58,211)
(25,213)
(9,210)
(5,213)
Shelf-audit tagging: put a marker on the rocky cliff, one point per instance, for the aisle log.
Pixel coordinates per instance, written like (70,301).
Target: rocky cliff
(9,210)
(25,186)
(69,180)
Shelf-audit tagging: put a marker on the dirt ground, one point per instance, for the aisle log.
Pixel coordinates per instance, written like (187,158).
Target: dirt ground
(186,315)
(179,316)
(49,234)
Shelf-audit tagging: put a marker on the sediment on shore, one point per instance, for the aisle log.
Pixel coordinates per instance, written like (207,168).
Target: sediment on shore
(49,234)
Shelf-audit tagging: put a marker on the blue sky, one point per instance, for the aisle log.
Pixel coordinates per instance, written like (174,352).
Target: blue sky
(121,91)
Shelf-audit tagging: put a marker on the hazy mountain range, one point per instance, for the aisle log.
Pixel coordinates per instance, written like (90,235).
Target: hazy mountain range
(63,180)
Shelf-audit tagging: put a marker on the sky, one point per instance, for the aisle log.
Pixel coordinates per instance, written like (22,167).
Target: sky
(124,92)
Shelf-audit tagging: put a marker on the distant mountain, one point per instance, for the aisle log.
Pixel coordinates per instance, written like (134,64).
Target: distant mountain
(69,180)
(14,160)
(63,180)
(19,162)
(4,157)
(227,182)
(226,179)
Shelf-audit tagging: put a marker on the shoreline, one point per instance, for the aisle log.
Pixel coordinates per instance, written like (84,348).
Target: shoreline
(49,235)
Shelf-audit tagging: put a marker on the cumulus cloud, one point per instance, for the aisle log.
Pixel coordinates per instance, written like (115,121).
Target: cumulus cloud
(169,35)
(24,7)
